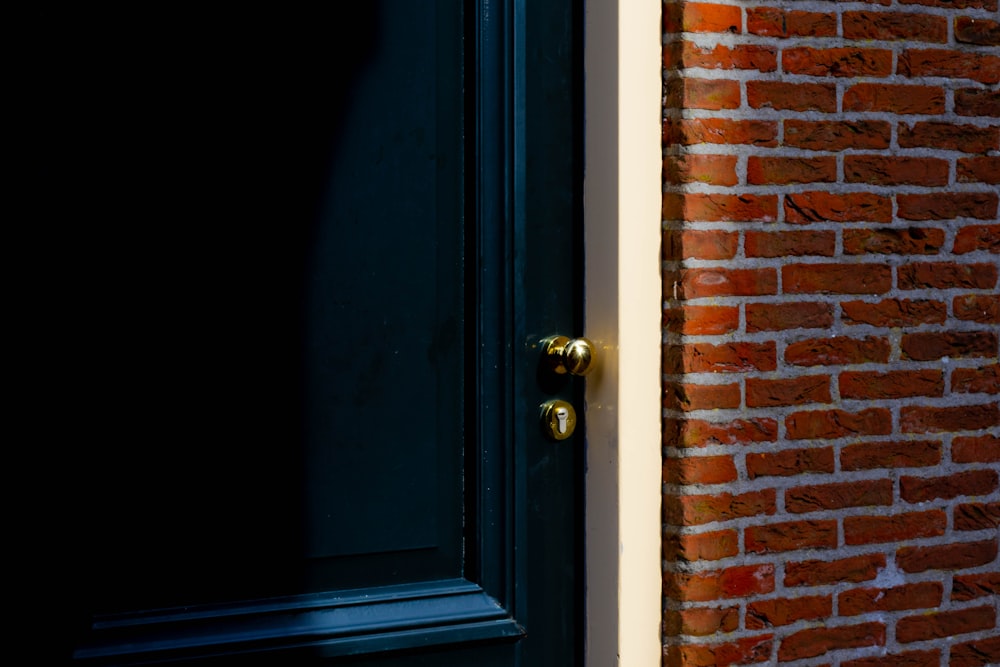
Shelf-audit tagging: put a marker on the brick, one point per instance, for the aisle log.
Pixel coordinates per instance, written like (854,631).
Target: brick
(708,17)
(829,424)
(698,168)
(782,316)
(698,207)
(700,433)
(807,207)
(954,4)
(983,448)
(741,57)
(846,570)
(791,535)
(981,67)
(982,32)
(895,98)
(893,455)
(946,275)
(983,380)
(708,282)
(866,493)
(837,351)
(701,320)
(725,358)
(977,237)
(785,611)
(812,642)
(743,651)
(840,62)
(695,510)
(978,653)
(867,385)
(977,102)
(837,135)
(972,586)
(947,205)
(700,621)
(925,595)
(967,483)
(672,17)
(980,169)
(895,528)
(977,516)
(787,170)
(905,659)
(977,307)
(734,582)
(896,170)
(886,26)
(699,470)
(790,244)
(836,278)
(699,244)
(955,556)
(787,391)
(894,241)
(792,96)
(693,93)
(714,545)
(948,136)
(894,312)
(928,346)
(790,462)
(938,625)
(773,22)
(687,396)
(949,419)
(691,131)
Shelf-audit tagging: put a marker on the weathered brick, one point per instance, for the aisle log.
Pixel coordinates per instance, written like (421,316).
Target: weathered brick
(734,582)
(983,448)
(699,244)
(789,462)
(867,493)
(742,651)
(828,424)
(707,282)
(695,206)
(925,595)
(763,392)
(971,238)
(971,586)
(688,396)
(699,470)
(949,419)
(817,572)
(895,241)
(984,380)
(785,611)
(836,278)
(977,308)
(893,384)
(977,653)
(725,358)
(700,433)
(694,93)
(977,516)
(946,275)
(981,67)
(792,96)
(700,621)
(967,483)
(895,455)
(886,26)
(791,535)
(979,169)
(898,170)
(894,312)
(773,22)
(786,170)
(837,61)
(937,625)
(927,346)
(955,556)
(695,510)
(837,135)
(782,316)
(698,168)
(947,136)
(714,545)
(837,351)
(895,98)
(977,31)
(930,658)
(691,131)
(977,102)
(807,207)
(895,528)
(710,17)
(947,205)
(812,642)
(744,56)
(701,320)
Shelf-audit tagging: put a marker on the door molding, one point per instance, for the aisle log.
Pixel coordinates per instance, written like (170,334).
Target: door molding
(622,193)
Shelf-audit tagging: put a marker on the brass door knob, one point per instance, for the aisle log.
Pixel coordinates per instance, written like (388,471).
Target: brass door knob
(575,356)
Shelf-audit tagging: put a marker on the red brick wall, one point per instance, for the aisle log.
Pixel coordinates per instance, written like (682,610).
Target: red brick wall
(831,308)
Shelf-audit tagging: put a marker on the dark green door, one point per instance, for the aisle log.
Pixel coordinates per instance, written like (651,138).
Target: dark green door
(307,261)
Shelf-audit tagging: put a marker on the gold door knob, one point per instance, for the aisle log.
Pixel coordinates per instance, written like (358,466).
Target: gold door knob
(575,356)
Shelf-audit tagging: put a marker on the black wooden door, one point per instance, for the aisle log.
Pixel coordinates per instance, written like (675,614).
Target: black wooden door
(306,262)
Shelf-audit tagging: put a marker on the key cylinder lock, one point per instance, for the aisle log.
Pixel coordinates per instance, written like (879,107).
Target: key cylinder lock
(558,419)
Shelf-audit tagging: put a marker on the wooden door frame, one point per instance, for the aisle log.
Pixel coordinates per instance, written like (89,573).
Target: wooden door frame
(622,193)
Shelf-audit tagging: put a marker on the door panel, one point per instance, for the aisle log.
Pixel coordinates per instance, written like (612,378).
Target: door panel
(308,266)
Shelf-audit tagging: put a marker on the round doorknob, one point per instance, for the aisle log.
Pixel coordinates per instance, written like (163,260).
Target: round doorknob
(575,356)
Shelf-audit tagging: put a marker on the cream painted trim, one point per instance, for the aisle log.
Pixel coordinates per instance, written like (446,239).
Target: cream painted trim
(622,194)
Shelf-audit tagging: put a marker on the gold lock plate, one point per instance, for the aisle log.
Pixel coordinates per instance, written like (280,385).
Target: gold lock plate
(558,419)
